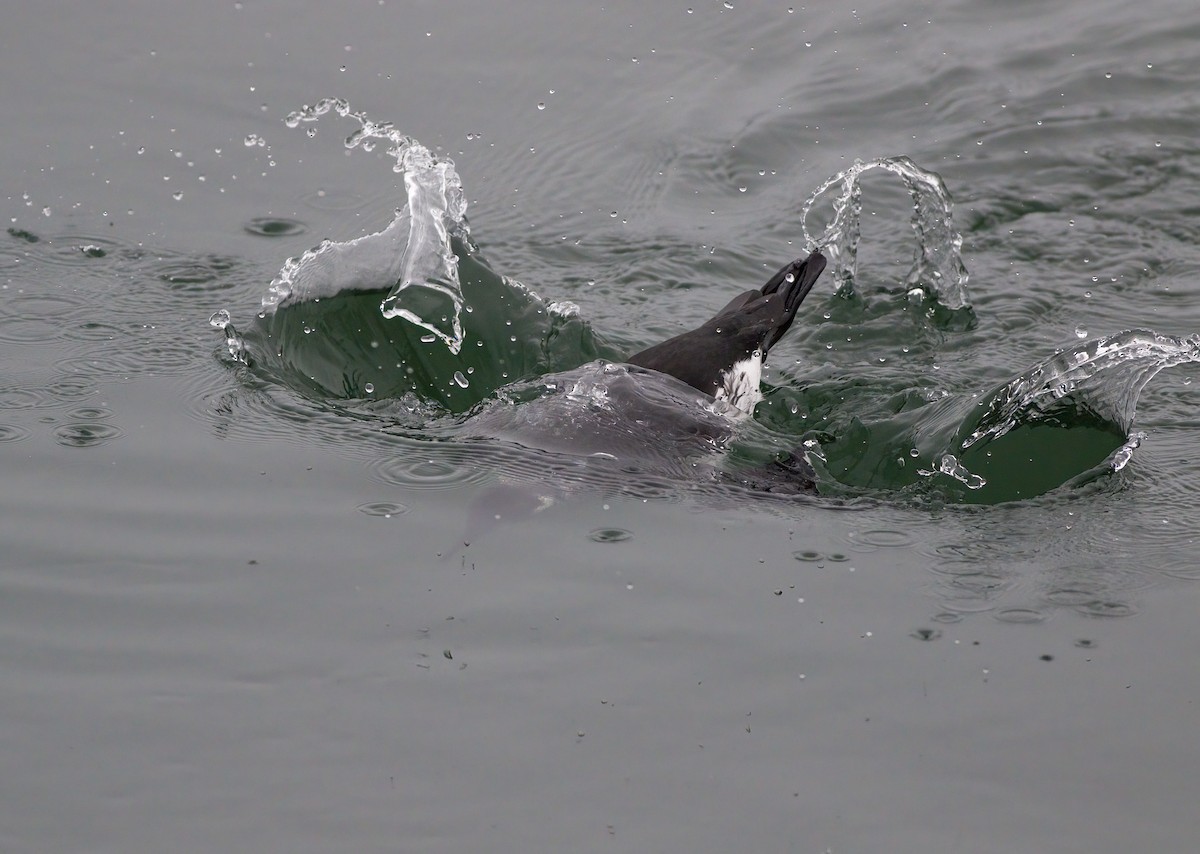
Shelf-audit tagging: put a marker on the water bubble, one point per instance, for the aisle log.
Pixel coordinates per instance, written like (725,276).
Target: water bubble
(369,388)
(541,105)
(460,380)
(1081,332)
(428,339)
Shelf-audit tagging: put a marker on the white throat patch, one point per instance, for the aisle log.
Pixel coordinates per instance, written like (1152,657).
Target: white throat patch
(740,384)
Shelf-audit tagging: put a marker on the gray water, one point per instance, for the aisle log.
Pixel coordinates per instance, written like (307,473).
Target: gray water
(245,612)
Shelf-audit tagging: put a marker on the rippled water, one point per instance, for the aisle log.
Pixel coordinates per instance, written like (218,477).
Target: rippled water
(327,584)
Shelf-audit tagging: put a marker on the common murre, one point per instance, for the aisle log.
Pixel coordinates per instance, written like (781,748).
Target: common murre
(724,356)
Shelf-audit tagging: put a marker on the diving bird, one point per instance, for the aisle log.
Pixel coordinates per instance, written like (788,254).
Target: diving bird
(724,357)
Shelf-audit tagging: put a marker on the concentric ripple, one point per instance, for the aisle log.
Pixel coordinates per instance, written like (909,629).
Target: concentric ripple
(415,471)
(12,433)
(383,509)
(86,435)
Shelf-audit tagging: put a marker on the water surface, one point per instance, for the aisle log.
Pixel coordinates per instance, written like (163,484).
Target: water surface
(238,606)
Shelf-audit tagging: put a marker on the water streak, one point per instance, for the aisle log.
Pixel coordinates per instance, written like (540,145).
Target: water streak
(937,263)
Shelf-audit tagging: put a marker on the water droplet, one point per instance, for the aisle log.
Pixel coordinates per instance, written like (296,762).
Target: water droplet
(541,105)
(219,319)
(369,388)
(460,380)
(1081,332)
(1107,76)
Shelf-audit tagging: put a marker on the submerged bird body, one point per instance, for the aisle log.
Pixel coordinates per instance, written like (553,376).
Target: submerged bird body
(724,356)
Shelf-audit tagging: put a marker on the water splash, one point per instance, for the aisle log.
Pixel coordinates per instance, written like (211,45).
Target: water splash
(937,264)
(1065,420)
(412,256)
(1105,375)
